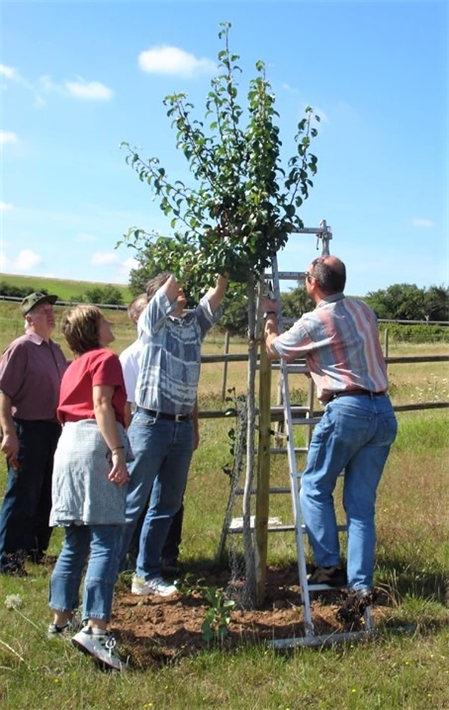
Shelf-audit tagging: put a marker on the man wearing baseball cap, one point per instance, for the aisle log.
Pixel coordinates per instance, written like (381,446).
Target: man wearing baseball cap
(31,368)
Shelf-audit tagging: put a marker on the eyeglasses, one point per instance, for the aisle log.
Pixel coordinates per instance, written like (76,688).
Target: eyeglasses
(308,276)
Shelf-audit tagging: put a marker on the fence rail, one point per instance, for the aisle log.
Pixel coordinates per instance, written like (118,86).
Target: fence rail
(277,414)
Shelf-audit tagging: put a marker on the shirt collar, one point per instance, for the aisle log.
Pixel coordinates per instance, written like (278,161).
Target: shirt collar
(34,337)
(332,298)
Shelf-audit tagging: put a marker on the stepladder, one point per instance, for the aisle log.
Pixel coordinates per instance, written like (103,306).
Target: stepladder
(233,524)
(288,416)
(290,422)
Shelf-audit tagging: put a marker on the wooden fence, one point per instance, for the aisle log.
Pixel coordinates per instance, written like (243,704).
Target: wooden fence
(277,413)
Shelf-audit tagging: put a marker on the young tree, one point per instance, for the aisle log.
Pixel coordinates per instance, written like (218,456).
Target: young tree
(243,204)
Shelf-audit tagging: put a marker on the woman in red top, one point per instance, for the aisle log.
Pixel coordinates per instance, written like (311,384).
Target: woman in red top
(89,483)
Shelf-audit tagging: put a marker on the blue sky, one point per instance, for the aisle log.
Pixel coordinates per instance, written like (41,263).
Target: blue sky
(78,78)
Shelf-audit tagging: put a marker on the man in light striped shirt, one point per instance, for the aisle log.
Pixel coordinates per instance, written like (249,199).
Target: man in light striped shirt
(163,430)
(340,342)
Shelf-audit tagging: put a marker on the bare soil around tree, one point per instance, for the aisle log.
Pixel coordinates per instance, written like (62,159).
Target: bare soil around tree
(157,630)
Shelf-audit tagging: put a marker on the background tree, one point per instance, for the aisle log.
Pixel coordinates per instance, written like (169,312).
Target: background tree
(108,295)
(296,302)
(408,302)
(243,205)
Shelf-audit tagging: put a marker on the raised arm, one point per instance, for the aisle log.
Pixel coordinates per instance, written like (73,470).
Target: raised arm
(216,293)
(270,310)
(171,288)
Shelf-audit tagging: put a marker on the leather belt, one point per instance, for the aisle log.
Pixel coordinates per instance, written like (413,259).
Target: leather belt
(162,415)
(357,393)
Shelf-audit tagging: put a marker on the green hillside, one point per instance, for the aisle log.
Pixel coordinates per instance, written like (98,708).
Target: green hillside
(65,289)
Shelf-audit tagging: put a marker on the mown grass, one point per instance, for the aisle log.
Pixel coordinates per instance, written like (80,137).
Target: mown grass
(405,667)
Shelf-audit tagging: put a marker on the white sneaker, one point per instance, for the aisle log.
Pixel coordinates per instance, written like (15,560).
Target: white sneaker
(99,645)
(157,585)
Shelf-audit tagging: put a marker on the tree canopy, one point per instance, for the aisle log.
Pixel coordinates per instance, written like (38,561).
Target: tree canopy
(408,302)
(243,203)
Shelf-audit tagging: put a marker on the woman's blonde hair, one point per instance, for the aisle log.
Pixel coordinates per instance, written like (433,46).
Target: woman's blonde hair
(81,328)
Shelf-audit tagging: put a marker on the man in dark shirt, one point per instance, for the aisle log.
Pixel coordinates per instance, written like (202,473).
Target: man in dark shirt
(30,374)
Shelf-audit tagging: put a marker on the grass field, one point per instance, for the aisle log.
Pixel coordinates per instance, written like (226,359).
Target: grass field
(405,667)
(65,289)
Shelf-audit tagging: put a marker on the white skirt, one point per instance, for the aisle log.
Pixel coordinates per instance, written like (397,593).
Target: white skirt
(82,494)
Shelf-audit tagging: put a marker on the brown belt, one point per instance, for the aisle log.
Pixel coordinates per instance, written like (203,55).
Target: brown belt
(357,393)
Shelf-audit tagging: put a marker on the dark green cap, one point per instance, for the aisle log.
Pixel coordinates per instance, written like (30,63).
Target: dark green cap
(33,300)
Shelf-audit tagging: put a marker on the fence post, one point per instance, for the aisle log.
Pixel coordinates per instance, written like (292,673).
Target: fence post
(225,367)
(263,476)
(386,342)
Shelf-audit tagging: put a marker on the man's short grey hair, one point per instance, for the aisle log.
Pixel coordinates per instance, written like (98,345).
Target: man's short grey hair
(136,307)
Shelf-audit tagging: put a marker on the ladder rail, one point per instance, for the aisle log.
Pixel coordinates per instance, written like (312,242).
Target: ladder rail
(294,477)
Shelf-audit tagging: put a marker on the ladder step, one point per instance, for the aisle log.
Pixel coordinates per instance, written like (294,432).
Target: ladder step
(284,450)
(295,409)
(289,275)
(292,368)
(278,489)
(324,587)
(276,525)
(308,421)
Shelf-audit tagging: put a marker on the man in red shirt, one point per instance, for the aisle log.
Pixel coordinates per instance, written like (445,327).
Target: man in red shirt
(31,369)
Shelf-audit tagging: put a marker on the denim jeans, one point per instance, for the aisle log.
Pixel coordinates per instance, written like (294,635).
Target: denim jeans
(170,551)
(26,506)
(354,435)
(102,542)
(163,450)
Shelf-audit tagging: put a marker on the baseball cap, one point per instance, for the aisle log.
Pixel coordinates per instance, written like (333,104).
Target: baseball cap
(33,300)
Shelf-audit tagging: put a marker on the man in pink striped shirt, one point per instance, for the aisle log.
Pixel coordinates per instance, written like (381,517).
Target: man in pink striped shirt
(340,342)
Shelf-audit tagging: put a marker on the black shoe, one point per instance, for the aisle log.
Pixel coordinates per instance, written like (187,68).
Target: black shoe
(41,558)
(13,564)
(333,576)
(355,605)
(171,565)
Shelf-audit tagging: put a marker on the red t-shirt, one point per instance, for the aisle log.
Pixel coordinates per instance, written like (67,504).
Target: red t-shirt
(96,367)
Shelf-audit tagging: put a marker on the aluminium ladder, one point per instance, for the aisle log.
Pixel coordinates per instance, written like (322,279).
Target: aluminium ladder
(285,369)
(234,525)
(293,415)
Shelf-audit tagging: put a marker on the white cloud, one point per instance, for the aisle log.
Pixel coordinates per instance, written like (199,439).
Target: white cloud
(126,266)
(79,89)
(4,262)
(172,60)
(288,88)
(85,237)
(26,260)
(8,137)
(93,90)
(6,207)
(426,223)
(9,72)
(102,258)
(47,85)
(12,74)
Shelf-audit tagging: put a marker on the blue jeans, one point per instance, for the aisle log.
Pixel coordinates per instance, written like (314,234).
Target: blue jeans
(355,435)
(102,543)
(26,506)
(162,453)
